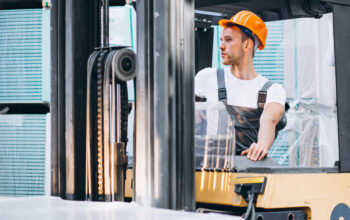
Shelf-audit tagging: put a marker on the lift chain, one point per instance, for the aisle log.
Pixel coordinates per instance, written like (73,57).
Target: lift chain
(100,65)
(124,108)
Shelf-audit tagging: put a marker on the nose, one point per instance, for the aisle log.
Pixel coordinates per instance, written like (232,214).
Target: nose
(222,46)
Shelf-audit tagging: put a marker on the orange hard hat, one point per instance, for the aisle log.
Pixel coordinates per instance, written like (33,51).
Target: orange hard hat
(252,22)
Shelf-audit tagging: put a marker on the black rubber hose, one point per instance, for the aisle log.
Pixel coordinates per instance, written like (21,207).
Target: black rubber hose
(253,212)
(250,207)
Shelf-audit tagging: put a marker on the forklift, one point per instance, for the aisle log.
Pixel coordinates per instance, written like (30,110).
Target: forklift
(88,167)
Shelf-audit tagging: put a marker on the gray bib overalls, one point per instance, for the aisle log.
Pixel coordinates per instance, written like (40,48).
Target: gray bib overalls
(246,120)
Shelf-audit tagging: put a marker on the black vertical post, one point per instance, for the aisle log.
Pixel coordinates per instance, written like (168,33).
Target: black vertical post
(106,23)
(57,103)
(185,106)
(61,119)
(54,100)
(341,17)
(81,31)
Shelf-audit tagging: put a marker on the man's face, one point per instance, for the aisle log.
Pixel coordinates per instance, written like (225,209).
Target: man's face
(231,46)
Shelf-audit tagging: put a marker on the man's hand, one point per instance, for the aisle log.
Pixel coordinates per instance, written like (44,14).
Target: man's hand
(255,152)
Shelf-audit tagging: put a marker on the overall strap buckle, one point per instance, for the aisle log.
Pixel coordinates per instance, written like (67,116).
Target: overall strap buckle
(222,94)
(262,95)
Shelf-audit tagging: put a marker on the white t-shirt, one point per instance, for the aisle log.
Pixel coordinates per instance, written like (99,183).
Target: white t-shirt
(243,93)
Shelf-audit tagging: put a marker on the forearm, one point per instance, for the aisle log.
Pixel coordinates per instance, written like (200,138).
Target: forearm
(268,121)
(266,134)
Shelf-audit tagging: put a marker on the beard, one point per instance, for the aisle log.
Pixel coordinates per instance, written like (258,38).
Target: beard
(233,59)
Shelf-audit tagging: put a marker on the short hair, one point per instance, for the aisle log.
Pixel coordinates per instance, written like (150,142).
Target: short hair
(244,35)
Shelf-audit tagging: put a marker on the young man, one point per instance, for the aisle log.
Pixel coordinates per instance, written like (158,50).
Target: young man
(248,96)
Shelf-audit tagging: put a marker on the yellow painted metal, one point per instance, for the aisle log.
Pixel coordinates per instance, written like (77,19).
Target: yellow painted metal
(128,184)
(316,193)
(215,187)
(248,180)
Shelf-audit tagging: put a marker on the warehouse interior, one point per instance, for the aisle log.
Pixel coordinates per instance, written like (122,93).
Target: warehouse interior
(45,49)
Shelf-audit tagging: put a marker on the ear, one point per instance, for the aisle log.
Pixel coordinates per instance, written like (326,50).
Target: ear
(249,44)
(245,44)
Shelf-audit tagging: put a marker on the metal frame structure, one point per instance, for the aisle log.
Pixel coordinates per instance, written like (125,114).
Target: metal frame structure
(152,133)
(268,10)
(26,4)
(73,37)
(164,164)
(20,4)
(341,16)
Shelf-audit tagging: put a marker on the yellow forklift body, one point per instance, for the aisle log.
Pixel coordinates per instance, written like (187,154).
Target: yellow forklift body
(317,193)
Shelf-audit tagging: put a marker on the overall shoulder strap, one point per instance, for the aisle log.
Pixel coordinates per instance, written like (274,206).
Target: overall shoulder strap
(263,94)
(222,95)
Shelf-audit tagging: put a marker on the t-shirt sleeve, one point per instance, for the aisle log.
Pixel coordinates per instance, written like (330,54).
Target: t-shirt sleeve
(276,93)
(200,82)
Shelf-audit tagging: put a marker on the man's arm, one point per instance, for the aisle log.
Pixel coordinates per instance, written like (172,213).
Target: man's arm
(270,117)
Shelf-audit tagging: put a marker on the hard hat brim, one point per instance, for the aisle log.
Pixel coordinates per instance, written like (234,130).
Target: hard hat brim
(224,22)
